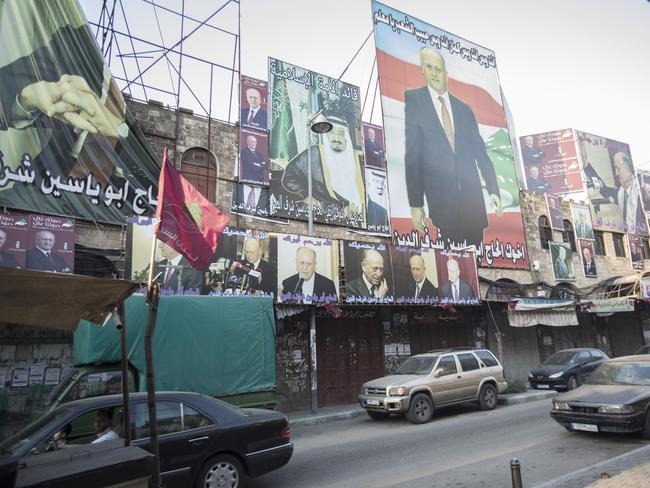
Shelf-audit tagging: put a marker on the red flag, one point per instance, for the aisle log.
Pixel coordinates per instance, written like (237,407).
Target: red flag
(186,220)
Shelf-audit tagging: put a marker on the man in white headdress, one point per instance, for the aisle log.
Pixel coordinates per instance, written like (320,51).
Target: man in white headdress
(337,184)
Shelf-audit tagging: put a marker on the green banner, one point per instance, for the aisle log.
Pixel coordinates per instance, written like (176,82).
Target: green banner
(68,145)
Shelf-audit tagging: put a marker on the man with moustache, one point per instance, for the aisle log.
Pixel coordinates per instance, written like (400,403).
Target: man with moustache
(262,275)
(254,115)
(42,258)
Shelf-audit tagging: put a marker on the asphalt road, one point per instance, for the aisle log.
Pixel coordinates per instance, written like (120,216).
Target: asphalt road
(460,447)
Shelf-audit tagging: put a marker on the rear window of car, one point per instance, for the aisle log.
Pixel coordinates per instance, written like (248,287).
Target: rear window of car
(468,362)
(487,357)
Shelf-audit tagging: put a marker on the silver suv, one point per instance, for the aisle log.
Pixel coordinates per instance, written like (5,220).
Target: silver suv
(435,379)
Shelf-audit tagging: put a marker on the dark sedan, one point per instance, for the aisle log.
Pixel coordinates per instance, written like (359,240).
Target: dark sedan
(203,442)
(615,398)
(566,369)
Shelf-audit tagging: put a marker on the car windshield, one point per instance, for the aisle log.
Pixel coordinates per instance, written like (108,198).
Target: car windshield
(56,391)
(17,442)
(561,357)
(618,373)
(414,365)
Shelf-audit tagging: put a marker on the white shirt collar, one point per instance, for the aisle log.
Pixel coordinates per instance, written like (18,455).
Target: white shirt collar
(176,260)
(368,284)
(438,106)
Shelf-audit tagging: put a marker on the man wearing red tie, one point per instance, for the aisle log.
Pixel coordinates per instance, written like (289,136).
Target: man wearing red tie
(42,258)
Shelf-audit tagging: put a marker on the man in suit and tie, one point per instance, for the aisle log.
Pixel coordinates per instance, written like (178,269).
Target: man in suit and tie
(455,288)
(588,262)
(374,152)
(306,283)
(377,217)
(175,272)
(250,200)
(254,168)
(6,258)
(262,275)
(628,195)
(530,153)
(372,282)
(420,288)
(42,258)
(254,115)
(444,152)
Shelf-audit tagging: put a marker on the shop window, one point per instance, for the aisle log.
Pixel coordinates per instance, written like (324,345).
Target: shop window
(568,235)
(545,232)
(619,247)
(199,167)
(599,243)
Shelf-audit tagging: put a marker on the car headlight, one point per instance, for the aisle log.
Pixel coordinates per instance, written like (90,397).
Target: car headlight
(561,406)
(398,391)
(530,376)
(615,409)
(556,375)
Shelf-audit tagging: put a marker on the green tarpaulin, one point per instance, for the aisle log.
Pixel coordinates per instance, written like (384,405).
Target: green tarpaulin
(212,345)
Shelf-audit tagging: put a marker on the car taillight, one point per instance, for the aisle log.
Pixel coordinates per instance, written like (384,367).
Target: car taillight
(286,433)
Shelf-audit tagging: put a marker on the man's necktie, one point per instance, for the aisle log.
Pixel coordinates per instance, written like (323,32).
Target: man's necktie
(373,289)
(250,117)
(250,201)
(625,206)
(417,290)
(168,276)
(455,292)
(446,123)
(298,288)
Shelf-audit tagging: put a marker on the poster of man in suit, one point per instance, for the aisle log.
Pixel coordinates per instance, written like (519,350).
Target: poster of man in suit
(644,187)
(449,157)
(588,258)
(582,221)
(368,272)
(554,204)
(50,245)
(636,251)
(254,95)
(457,277)
(373,142)
(561,257)
(13,240)
(611,185)
(415,275)
(338,194)
(250,200)
(253,157)
(308,269)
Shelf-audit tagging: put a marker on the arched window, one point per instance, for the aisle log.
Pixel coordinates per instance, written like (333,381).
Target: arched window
(199,167)
(545,232)
(568,235)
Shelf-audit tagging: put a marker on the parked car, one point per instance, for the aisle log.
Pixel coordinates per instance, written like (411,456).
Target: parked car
(202,441)
(615,398)
(643,350)
(435,379)
(566,369)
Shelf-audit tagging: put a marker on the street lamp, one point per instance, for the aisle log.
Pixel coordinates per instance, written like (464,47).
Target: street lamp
(319,125)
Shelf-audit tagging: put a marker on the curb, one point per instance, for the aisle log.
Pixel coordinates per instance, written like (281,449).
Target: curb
(321,419)
(591,471)
(516,398)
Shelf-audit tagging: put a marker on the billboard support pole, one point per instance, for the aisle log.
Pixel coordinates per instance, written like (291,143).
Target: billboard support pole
(318,124)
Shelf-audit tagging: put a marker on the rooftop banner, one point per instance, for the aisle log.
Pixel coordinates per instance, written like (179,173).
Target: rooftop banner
(68,145)
(451,169)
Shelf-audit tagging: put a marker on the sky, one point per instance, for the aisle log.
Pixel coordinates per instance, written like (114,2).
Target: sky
(579,64)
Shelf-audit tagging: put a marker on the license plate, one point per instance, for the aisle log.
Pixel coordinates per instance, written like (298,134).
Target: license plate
(542,387)
(585,427)
(372,402)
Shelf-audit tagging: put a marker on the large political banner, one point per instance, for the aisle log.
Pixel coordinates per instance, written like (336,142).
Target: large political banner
(450,164)
(551,163)
(644,187)
(611,184)
(297,95)
(68,145)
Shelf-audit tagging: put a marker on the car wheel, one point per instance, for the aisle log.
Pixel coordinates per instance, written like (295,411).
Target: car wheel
(377,415)
(221,471)
(646,426)
(487,399)
(572,382)
(421,409)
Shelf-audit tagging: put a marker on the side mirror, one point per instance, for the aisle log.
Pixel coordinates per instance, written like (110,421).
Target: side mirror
(439,372)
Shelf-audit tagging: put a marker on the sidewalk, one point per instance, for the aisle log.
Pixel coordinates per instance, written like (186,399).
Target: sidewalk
(629,470)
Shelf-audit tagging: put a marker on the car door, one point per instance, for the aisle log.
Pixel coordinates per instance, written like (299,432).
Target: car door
(585,365)
(447,385)
(184,433)
(470,375)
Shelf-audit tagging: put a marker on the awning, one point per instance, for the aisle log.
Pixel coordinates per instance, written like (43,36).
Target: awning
(528,312)
(607,306)
(58,300)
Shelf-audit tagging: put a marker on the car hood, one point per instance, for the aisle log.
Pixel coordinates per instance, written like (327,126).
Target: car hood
(606,394)
(548,369)
(393,380)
